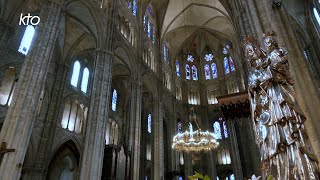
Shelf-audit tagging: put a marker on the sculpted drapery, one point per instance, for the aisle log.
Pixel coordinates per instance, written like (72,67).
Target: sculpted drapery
(278,123)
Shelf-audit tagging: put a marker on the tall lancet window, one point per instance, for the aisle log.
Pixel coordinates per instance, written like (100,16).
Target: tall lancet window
(75,74)
(231,64)
(207,72)
(26,40)
(149,123)
(214,70)
(114,100)
(134,8)
(225,130)
(217,130)
(178,68)
(226,65)
(194,73)
(85,80)
(316,15)
(188,72)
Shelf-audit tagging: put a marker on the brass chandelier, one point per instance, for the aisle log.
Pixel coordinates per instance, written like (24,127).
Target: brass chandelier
(195,142)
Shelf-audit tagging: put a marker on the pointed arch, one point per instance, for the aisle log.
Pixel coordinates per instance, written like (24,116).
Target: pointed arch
(188,72)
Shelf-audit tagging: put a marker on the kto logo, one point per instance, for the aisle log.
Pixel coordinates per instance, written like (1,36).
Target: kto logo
(28,19)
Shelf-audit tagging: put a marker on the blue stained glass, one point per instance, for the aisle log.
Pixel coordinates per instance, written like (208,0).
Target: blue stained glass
(226,65)
(207,72)
(217,130)
(165,52)
(149,29)
(232,177)
(26,40)
(177,68)
(225,130)
(231,64)
(150,10)
(149,123)
(129,4)
(225,51)
(190,58)
(134,9)
(75,74)
(208,57)
(228,46)
(188,72)
(194,73)
(214,70)
(114,100)
(145,22)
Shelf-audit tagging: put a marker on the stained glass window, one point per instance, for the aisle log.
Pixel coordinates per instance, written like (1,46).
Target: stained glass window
(75,74)
(149,29)
(114,100)
(26,40)
(232,177)
(134,8)
(129,4)
(208,57)
(149,123)
(225,130)
(150,10)
(179,128)
(145,19)
(165,52)
(231,64)
(316,15)
(194,73)
(214,70)
(85,80)
(226,65)
(225,51)
(217,130)
(190,58)
(177,68)
(188,72)
(207,71)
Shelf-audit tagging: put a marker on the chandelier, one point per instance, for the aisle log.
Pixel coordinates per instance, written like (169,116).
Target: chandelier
(195,142)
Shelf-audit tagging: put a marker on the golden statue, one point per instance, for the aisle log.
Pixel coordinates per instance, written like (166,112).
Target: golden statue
(278,123)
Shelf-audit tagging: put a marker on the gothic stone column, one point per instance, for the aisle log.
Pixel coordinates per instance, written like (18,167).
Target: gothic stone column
(94,144)
(157,136)
(135,124)
(235,156)
(18,124)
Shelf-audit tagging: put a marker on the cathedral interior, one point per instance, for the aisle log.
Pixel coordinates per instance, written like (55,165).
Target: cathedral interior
(123,89)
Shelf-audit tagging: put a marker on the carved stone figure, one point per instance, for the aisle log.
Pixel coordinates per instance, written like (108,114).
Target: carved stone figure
(278,123)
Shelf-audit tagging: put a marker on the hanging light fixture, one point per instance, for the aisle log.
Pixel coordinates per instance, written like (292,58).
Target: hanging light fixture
(194,142)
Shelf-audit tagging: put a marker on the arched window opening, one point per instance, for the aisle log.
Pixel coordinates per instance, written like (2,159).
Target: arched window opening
(177,68)
(226,65)
(74,115)
(114,100)
(207,72)
(224,157)
(225,130)
(165,53)
(148,154)
(26,40)
(188,72)
(149,123)
(85,80)
(217,130)
(8,86)
(316,15)
(214,70)
(112,134)
(134,8)
(231,64)
(75,74)
(179,127)
(194,73)
(149,29)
